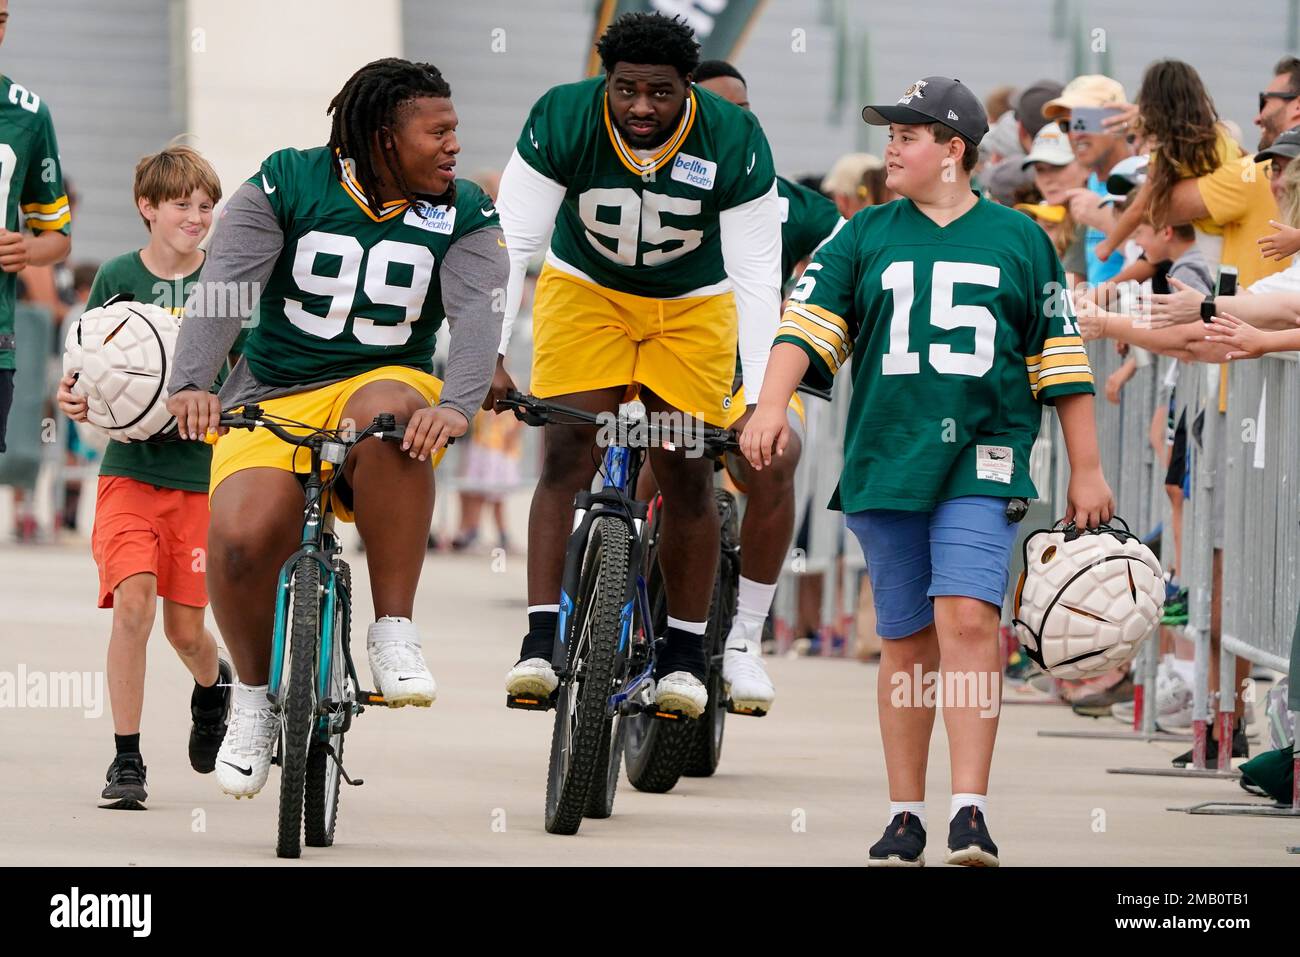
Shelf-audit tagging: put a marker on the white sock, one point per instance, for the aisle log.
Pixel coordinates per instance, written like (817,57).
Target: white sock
(533,608)
(960,801)
(691,627)
(250,697)
(754,601)
(390,628)
(916,808)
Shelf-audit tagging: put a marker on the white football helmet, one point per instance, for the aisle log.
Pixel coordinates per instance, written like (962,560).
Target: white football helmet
(121,355)
(1086,599)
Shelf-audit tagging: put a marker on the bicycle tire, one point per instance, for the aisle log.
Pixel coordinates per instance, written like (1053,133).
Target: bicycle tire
(298,704)
(705,751)
(655,751)
(321,797)
(582,705)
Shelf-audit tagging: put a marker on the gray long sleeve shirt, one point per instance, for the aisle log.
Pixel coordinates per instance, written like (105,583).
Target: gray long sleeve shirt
(244,250)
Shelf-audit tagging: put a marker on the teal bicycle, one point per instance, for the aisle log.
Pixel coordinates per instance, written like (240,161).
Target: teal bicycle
(313,684)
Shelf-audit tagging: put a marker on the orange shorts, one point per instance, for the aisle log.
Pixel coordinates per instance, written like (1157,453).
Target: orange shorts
(143,528)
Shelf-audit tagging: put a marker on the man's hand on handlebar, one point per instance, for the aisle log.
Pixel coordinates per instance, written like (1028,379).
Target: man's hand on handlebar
(196,414)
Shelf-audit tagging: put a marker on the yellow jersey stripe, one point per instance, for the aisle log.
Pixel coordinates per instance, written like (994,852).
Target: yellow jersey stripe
(837,330)
(46,226)
(823,349)
(58,206)
(825,315)
(830,338)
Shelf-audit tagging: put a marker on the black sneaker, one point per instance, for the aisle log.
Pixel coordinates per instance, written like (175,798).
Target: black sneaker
(209,727)
(969,843)
(1240,749)
(902,845)
(1098,705)
(125,779)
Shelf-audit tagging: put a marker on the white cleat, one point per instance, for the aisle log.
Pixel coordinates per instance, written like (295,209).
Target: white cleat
(397,664)
(532,676)
(681,691)
(244,759)
(743,673)
(748,686)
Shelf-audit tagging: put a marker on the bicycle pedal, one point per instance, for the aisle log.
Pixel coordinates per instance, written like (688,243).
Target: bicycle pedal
(530,702)
(753,712)
(666,714)
(372,697)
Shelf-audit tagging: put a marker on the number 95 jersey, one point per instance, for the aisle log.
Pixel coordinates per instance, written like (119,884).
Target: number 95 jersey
(645,222)
(353,288)
(959,335)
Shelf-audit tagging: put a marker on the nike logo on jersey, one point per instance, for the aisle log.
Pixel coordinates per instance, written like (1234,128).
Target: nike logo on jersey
(267,186)
(244,771)
(488,210)
(753,158)
(532,138)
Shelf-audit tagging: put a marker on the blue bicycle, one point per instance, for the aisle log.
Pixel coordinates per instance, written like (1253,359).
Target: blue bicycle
(313,684)
(605,645)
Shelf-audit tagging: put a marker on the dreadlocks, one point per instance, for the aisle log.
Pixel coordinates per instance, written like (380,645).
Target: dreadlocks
(368,106)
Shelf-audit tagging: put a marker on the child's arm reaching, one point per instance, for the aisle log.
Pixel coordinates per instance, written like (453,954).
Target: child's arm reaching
(1128,221)
(1245,341)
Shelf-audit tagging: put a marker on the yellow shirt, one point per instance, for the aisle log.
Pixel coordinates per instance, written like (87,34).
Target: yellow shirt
(1239,200)
(1226,152)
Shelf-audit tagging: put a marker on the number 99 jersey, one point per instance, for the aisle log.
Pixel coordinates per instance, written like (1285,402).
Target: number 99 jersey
(957,333)
(353,288)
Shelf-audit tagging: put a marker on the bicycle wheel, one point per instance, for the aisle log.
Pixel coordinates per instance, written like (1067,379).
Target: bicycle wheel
(705,750)
(321,800)
(298,704)
(656,750)
(582,704)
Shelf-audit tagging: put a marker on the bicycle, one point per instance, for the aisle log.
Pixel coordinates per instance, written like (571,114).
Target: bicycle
(605,641)
(312,685)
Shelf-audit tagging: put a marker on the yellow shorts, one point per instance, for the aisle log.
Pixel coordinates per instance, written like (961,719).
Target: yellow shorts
(240,449)
(587,337)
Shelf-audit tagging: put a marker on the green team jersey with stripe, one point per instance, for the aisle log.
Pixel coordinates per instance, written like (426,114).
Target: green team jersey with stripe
(957,333)
(353,289)
(645,222)
(31,187)
(807,218)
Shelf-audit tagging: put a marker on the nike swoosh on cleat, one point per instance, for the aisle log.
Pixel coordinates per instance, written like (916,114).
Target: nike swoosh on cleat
(247,772)
(410,678)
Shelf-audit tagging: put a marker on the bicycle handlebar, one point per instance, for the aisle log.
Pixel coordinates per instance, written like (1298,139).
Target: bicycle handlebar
(534,411)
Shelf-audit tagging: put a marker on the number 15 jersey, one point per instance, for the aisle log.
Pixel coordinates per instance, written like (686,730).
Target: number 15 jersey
(957,333)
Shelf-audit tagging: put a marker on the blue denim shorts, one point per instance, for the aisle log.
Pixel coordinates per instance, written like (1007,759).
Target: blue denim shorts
(963,548)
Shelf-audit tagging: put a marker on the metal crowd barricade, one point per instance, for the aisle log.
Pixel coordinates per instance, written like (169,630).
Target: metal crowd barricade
(1261,544)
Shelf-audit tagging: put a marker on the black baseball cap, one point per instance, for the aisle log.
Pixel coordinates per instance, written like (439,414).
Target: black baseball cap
(1286,146)
(1028,105)
(935,99)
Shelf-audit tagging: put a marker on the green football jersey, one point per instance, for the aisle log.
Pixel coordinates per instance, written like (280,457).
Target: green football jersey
(957,334)
(645,222)
(807,217)
(178,464)
(31,187)
(354,288)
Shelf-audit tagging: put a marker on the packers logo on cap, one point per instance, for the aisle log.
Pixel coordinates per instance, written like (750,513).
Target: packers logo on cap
(915,90)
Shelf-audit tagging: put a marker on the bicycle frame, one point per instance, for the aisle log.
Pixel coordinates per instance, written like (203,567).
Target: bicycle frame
(620,468)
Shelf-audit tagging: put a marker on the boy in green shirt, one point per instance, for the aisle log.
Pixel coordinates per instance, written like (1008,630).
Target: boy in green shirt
(955,312)
(151,513)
